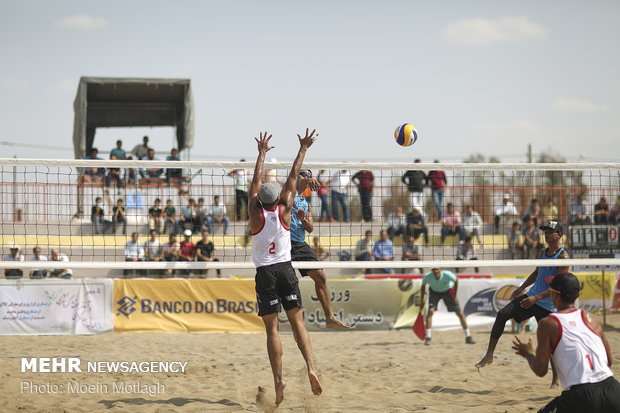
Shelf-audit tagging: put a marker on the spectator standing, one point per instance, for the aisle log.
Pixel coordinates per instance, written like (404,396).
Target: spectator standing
(601,212)
(466,251)
(205,252)
(472,223)
(339,184)
(384,250)
(241,191)
(365,182)
(171,251)
(97,217)
(531,239)
(415,181)
(170,218)
(550,211)
(188,249)
(119,152)
(38,273)
(13,255)
(217,215)
(578,212)
(141,150)
(533,211)
(416,225)
(397,223)
(506,212)
(153,250)
(119,216)
(174,174)
(323,192)
(57,256)
(438,181)
(451,223)
(134,252)
(412,251)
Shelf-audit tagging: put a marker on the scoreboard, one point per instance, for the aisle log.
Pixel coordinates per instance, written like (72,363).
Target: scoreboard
(594,240)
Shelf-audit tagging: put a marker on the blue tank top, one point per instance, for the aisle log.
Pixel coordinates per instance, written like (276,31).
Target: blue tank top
(540,285)
(297,229)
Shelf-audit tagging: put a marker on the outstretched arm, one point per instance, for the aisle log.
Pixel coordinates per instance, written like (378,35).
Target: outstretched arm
(263,148)
(287,197)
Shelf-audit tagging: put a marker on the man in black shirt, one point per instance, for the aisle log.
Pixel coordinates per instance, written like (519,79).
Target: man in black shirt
(415,181)
(205,251)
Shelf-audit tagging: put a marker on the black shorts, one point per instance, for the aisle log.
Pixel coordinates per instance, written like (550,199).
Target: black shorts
(301,251)
(448,300)
(519,313)
(601,397)
(277,284)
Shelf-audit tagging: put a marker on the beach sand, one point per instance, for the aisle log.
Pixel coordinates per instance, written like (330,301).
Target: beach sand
(389,371)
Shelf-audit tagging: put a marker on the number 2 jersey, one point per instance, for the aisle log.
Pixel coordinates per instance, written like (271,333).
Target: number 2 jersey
(579,355)
(272,243)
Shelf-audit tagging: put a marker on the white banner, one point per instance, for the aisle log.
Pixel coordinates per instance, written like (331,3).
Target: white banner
(82,306)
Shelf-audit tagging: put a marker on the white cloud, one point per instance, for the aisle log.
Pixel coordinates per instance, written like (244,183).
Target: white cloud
(572,104)
(12,83)
(82,22)
(487,31)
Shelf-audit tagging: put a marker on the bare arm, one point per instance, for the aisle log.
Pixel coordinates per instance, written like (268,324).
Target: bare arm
(546,335)
(306,219)
(254,209)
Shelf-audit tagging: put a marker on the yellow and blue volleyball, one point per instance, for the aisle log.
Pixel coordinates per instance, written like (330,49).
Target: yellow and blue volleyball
(406,134)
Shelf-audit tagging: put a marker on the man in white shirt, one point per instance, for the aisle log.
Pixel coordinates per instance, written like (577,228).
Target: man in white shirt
(38,273)
(339,184)
(134,252)
(472,223)
(506,212)
(153,251)
(57,256)
(14,255)
(217,215)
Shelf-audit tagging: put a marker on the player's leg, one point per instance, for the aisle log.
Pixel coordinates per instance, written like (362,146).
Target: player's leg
(274,350)
(305,347)
(320,286)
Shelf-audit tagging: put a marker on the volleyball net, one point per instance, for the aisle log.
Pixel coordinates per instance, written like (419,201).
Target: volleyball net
(467,216)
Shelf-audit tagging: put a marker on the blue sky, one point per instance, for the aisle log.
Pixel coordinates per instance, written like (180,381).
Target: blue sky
(474,77)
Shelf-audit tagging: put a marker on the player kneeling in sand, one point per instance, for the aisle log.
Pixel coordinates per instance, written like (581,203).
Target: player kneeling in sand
(270,209)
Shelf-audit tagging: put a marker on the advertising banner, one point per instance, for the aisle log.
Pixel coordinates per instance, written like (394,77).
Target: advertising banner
(592,288)
(185,305)
(59,306)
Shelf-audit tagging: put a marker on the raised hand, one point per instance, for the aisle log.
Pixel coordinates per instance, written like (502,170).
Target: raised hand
(308,140)
(263,142)
(521,348)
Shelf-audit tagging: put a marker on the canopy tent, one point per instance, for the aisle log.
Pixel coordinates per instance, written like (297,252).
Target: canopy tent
(118,102)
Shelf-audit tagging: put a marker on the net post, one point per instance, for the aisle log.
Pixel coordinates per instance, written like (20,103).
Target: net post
(604,291)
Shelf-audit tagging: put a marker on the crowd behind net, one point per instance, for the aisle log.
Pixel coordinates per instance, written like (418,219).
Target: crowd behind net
(88,211)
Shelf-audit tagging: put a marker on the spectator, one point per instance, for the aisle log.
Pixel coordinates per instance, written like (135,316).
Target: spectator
(151,173)
(321,252)
(217,215)
(412,251)
(533,211)
(614,213)
(38,273)
(114,174)
(364,248)
(97,217)
(365,182)
(57,256)
(397,223)
(153,250)
(451,223)
(156,220)
(415,181)
(515,243)
(188,249)
(14,255)
(134,252)
(94,174)
(174,174)
(119,216)
(241,191)
(578,213)
(170,218)
(189,216)
(472,223)
(466,251)
(171,252)
(531,239)
(271,175)
(550,211)
(323,191)
(416,225)
(601,212)
(203,213)
(384,250)
(205,252)
(505,212)
(119,152)
(437,181)
(339,183)
(141,150)
(131,174)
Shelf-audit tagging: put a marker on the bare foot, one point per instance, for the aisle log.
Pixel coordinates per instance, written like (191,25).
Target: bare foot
(280,392)
(487,359)
(262,403)
(315,384)
(335,323)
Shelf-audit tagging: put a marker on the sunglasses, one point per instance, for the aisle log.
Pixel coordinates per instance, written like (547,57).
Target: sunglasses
(305,174)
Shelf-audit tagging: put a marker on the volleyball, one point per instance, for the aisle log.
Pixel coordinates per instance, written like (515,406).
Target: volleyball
(406,134)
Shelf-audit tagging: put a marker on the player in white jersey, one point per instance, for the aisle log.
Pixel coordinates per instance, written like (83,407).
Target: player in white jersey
(270,209)
(575,341)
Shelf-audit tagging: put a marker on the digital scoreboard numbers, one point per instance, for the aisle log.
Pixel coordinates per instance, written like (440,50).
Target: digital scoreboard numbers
(602,240)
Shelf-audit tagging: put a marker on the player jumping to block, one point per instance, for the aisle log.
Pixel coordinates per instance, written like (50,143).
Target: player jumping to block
(276,283)
(301,221)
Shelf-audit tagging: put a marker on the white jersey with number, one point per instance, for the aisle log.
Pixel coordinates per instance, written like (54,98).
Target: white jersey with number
(579,355)
(272,243)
